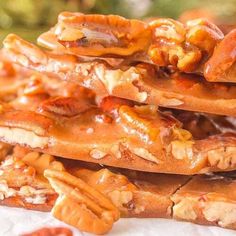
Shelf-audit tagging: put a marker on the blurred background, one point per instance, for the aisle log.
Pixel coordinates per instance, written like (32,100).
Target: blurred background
(29,18)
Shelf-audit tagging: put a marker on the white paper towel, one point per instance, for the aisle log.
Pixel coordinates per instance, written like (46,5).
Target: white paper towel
(14,221)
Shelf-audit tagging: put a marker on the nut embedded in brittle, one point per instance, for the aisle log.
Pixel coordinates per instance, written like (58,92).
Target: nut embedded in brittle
(208,200)
(81,205)
(116,186)
(65,106)
(96,35)
(182,144)
(223,157)
(134,118)
(203,34)
(183,46)
(16,173)
(34,54)
(22,183)
(169,46)
(168,29)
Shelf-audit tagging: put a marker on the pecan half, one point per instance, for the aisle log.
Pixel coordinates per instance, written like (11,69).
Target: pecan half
(27,120)
(96,35)
(28,50)
(81,205)
(65,106)
(134,119)
(55,231)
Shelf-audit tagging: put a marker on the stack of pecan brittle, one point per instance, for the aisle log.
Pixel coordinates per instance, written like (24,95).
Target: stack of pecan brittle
(120,118)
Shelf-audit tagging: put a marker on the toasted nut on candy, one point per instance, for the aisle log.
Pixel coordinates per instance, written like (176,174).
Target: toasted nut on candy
(70,34)
(168,29)
(99,34)
(185,209)
(15,43)
(81,205)
(133,119)
(182,149)
(223,157)
(203,34)
(222,212)
(183,46)
(65,106)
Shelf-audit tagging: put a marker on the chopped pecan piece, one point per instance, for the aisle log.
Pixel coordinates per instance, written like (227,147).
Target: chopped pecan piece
(16,173)
(111,104)
(223,157)
(81,205)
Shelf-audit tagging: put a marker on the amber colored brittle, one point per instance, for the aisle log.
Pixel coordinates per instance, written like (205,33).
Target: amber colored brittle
(208,199)
(142,83)
(142,137)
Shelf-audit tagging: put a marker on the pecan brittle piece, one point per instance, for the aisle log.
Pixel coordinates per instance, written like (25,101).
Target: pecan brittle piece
(207,200)
(33,126)
(96,35)
(141,138)
(163,42)
(81,205)
(22,183)
(141,83)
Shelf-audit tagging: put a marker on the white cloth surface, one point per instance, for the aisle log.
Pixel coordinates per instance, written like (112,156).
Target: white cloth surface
(14,222)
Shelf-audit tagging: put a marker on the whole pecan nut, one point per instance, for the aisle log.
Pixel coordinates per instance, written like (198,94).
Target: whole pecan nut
(81,205)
